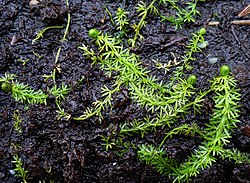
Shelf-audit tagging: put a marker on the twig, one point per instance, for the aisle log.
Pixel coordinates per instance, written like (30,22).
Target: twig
(241,22)
(244,12)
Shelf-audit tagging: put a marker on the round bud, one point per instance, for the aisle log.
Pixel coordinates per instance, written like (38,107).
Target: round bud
(192,79)
(224,70)
(93,33)
(6,87)
(202,31)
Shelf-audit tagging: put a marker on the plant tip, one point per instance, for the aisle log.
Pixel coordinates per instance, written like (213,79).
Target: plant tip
(192,79)
(224,70)
(202,31)
(6,87)
(93,33)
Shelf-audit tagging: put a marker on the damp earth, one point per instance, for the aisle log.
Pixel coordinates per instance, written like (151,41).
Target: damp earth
(73,151)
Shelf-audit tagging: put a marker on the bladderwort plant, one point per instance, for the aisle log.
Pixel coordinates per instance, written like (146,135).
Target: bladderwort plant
(41,32)
(19,169)
(167,104)
(23,61)
(25,94)
(57,68)
(17,121)
(122,21)
(143,10)
(144,89)
(216,135)
(21,92)
(59,94)
(182,15)
(192,48)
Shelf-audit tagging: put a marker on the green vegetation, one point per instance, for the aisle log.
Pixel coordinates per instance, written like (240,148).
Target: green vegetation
(122,21)
(19,168)
(217,133)
(17,121)
(182,15)
(24,62)
(156,157)
(167,103)
(41,32)
(25,94)
(155,96)
(21,92)
(59,94)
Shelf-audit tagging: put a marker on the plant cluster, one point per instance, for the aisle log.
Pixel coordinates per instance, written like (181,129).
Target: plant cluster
(156,157)
(17,121)
(167,103)
(192,48)
(25,94)
(21,92)
(122,21)
(59,94)
(216,135)
(183,15)
(146,90)
(19,168)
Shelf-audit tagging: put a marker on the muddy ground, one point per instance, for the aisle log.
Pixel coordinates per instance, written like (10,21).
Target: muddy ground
(72,151)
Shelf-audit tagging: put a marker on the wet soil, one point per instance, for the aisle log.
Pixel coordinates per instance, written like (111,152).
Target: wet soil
(72,151)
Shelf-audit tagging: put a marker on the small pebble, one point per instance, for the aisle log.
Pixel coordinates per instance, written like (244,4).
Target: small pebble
(12,172)
(13,40)
(33,3)
(202,44)
(213,60)
(1,175)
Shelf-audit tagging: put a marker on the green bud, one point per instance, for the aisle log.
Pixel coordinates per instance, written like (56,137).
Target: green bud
(6,87)
(93,33)
(224,70)
(202,31)
(192,79)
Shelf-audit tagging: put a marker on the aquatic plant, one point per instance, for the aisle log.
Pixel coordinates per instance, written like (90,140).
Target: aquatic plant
(59,94)
(216,135)
(19,168)
(122,21)
(41,32)
(182,15)
(21,92)
(17,121)
(146,90)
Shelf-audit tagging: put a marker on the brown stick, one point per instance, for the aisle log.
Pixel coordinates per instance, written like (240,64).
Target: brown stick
(241,22)
(244,12)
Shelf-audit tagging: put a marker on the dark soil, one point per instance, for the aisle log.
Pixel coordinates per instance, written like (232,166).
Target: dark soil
(72,151)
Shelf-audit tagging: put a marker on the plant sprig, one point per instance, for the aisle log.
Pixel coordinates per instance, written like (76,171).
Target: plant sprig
(122,21)
(41,32)
(217,132)
(21,92)
(182,15)
(19,168)
(157,158)
(17,121)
